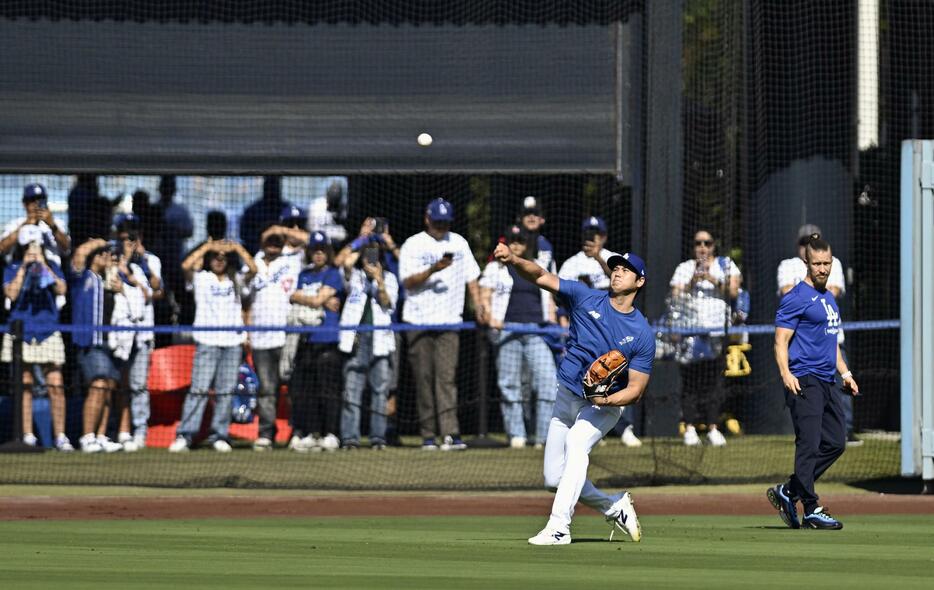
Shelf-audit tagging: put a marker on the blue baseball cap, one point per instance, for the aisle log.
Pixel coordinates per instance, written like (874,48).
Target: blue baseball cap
(440,210)
(318,241)
(594,223)
(292,212)
(34,192)
(126,221)
(629,260)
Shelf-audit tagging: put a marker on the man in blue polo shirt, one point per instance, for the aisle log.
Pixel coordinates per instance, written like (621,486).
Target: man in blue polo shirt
(600,321)
(807,354)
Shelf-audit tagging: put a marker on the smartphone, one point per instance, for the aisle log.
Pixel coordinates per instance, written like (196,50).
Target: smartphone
(371,255)
(448,255)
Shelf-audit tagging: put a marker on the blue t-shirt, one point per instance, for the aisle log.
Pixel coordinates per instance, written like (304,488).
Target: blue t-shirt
(815,319)
(87,307)
(331,277)
(35,305)
(596,328)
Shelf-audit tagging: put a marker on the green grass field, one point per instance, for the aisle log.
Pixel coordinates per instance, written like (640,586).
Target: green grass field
(661,460)
(449,552)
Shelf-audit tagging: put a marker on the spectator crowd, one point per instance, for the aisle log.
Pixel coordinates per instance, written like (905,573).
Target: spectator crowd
(370,299)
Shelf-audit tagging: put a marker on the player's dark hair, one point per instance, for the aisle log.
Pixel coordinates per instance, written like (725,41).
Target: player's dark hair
(815,243)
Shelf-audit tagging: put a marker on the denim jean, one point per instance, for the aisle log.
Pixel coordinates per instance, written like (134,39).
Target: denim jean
(512,351)
(360,369)
(266,362)
(136,371)
(217,365)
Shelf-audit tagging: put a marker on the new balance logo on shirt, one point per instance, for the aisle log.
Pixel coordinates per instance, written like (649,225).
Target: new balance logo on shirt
(594,314)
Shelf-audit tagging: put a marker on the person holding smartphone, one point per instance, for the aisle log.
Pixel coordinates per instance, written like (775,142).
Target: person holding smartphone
(54,241)
(435,267)
(371,298)
(32,284)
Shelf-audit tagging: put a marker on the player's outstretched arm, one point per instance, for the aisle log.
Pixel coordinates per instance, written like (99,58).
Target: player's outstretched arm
(527,269)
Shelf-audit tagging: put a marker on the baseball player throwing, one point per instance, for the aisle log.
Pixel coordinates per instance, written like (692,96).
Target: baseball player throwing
(609,357)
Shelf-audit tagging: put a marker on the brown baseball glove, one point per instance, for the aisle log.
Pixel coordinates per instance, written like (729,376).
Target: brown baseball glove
(603,372)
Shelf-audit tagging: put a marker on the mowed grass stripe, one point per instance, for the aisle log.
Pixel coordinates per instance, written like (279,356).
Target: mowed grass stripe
(461,552)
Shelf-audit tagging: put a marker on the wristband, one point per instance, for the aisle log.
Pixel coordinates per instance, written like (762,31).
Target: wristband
(846,375)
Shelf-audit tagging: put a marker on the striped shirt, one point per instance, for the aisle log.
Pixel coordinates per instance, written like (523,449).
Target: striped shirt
(87,291)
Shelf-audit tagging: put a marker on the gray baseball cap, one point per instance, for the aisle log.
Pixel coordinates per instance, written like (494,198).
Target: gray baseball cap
(806,230)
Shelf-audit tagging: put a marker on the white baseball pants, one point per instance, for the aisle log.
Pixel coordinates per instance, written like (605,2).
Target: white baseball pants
(576,427)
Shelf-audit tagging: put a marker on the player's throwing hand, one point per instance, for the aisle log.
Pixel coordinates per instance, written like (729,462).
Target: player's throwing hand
(502,253)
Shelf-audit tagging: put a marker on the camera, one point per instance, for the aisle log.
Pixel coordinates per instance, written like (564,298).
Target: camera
(371,255)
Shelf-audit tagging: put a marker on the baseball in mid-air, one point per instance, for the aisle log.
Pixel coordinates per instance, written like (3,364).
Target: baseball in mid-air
(424,139)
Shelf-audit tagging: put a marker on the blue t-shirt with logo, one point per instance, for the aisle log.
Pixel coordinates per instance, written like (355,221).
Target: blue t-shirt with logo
(325,276)
(815,319)
(597,328)
(35,305)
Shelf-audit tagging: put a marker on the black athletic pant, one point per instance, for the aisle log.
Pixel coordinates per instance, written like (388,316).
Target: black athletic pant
(820,435)
(702,391)
(317,389)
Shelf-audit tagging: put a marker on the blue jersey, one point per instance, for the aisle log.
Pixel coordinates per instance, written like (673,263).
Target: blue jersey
(87,301)
(597,328)
(815,319)
(330,277)
(35,305)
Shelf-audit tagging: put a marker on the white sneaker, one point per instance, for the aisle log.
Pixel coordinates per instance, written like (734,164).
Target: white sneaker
(89,444)
(690,437)
(30,439)
(549,536)
(128,442)
(622,516)
(716,438)
(329,442)
(140,440)
(630,439)
(262,444)
(63,444)
(312,444)
(179,445)
(108,445)
(452,443)
(295,444)
(222,446)
(517,442)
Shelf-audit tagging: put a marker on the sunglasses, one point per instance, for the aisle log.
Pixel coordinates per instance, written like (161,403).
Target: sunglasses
(707,243)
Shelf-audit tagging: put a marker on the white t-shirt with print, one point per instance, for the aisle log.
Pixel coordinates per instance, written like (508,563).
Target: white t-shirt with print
(271,288)
(50,248)
(581,264)
(217,303)
(440,299)
(707,301)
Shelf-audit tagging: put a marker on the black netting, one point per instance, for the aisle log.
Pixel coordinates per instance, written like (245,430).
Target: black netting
(674,123)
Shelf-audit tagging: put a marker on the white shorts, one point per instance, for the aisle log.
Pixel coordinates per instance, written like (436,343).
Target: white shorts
(50,351)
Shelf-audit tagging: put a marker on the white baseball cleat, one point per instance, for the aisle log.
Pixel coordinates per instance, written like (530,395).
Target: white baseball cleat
(622,516)
(550,537)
